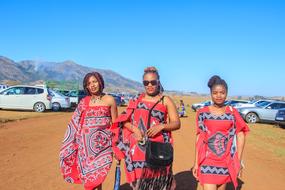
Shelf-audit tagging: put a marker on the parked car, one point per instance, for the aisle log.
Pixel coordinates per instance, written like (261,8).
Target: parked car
(59,101)
(73,97)
(264,112)
(280,117)
(235,102)
(81,94)
(118,99)
(3,87)
(35,98)
(197,106)
(252,103)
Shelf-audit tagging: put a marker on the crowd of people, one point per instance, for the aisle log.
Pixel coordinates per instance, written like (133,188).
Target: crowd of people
(141,136)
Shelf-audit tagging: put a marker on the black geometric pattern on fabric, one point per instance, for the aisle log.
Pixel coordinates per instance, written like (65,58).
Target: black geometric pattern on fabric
(142,128)
(201,123)
(232,134)
(218,143)
(142,105)
(166,137)
(209,116)
(158,115)
(214,170)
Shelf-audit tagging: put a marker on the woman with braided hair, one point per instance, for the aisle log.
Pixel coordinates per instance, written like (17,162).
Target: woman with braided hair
(220,140)
(149,117)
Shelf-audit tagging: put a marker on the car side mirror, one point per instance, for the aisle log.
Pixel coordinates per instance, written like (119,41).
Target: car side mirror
(269,107)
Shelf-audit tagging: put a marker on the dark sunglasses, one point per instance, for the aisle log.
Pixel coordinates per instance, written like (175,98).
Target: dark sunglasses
(152,82)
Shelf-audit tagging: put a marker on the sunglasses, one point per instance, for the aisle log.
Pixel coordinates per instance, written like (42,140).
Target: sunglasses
(152,82)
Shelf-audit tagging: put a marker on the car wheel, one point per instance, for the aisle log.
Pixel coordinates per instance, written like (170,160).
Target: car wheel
(251,118)
(39,107)
(55,106)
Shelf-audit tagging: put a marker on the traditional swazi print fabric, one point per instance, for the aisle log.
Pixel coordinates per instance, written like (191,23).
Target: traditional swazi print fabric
(217,146)
(86,152)
(125,146)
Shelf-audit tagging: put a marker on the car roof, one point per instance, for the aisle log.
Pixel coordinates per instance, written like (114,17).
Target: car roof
(21,85)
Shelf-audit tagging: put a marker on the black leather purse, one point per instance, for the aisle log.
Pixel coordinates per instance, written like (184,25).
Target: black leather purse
(158,154)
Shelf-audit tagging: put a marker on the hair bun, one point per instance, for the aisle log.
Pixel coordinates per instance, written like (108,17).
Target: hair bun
(150,69)
(214,80)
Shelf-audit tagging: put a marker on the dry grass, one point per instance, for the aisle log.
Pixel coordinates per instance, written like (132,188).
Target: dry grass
(12,115)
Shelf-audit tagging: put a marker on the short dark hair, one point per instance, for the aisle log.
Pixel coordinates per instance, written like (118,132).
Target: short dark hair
(98,77)
(217,80)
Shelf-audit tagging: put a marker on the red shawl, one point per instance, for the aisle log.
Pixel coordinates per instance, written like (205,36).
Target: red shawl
(86,152)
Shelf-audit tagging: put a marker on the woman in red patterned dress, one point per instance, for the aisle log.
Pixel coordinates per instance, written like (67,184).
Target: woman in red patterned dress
(132,127)
(220,140)
(86,154)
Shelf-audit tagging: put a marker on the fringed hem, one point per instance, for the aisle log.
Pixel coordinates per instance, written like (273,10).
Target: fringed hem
(156,179)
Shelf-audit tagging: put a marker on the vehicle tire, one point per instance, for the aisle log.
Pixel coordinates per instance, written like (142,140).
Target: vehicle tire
(39,107)
(251,118)
(55,106)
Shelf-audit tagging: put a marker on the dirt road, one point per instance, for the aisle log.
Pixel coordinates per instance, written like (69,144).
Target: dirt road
(29,156)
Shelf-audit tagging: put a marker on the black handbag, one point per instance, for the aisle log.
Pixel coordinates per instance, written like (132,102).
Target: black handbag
(158,154)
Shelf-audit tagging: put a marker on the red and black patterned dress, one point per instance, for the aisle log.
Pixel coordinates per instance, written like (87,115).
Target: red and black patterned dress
(127,148)
(86,153)
(217,145)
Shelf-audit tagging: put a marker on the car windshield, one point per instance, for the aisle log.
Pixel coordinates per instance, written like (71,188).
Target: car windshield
(58,93)
(252,101)
(262,104)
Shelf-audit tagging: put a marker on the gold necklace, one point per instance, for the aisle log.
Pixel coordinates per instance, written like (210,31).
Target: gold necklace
(94,99)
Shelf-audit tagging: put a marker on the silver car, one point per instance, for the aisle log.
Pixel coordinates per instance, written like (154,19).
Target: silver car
(59,101)
(264,112)
(252,103)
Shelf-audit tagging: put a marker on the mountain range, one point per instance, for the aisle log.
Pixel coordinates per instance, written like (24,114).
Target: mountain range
(32,72)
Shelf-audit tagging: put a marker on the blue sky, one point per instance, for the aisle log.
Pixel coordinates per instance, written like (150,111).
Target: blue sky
(188,41)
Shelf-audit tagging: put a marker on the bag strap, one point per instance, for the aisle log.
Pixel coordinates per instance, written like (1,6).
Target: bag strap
(150,110)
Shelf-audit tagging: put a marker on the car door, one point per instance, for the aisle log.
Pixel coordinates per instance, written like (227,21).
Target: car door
(10,98)
(29,98)
(271,110)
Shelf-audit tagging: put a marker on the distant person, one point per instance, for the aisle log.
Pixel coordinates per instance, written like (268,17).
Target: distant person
(181,109)
(220,140)
(151,117)
(86,152)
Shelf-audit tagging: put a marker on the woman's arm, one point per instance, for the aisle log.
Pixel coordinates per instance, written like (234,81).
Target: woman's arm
(195,166)
(240,144)
(174,121)
(114,110)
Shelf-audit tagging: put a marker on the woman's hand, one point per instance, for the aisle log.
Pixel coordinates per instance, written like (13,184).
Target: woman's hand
(137,134)
(151,132)
(195,170)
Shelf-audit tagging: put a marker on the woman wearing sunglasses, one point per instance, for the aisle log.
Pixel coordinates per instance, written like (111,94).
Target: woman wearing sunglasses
(149,117)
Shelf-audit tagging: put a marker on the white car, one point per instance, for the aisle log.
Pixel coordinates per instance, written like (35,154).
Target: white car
(59,101)
(25,97)
(3,87)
